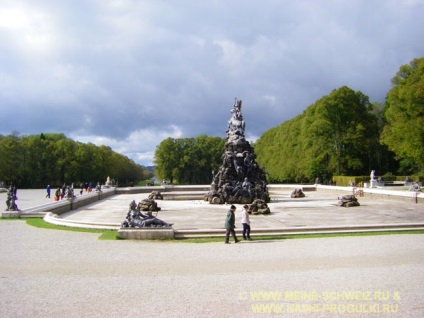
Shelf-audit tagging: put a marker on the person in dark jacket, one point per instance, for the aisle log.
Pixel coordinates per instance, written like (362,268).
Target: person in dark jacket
(230,225)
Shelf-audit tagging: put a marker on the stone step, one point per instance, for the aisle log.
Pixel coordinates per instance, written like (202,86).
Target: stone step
(193,195)
(182,234)
(32,215)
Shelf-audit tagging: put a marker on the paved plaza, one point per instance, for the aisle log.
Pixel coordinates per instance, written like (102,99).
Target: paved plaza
(316,209)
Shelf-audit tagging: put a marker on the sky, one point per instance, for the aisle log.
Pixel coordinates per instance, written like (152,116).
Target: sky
(130,73)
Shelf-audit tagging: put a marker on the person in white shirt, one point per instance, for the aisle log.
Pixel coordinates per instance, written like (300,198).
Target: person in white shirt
(245,222)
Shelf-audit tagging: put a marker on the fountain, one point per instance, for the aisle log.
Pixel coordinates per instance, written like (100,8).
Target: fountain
(239,179)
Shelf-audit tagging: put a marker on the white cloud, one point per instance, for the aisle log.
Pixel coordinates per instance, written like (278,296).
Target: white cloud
(13,18)
(29,31)
(137,145)
(232,53)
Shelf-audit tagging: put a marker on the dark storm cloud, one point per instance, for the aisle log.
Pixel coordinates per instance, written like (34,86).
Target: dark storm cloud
(128,74)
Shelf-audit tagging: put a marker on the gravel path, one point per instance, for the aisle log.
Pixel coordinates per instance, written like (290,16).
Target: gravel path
(49,273)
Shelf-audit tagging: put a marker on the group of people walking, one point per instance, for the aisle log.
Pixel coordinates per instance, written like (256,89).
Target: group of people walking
(59,193)
(62,191)
(230,222)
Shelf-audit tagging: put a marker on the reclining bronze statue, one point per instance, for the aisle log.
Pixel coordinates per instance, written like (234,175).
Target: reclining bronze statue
(136,219)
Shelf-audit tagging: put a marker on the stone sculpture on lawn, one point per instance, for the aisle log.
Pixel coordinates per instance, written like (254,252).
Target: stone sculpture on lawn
(239,179)
(136,219)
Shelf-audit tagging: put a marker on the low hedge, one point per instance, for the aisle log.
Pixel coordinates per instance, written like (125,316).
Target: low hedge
(345,180)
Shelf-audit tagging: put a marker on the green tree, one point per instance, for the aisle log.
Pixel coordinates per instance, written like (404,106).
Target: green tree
(188,160)
(66,164)
(335,135)
(10,159)
(384,158)
(166,159)
(213,147)
(200,156)
(342,127)
(279,151)
(37,160)
(404,115)
(34,165)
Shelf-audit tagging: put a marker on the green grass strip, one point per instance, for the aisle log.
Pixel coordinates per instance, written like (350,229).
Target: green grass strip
(300,236)
(113,234)
(105,234)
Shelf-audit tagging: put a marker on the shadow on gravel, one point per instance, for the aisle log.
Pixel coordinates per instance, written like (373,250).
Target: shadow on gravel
(260,242)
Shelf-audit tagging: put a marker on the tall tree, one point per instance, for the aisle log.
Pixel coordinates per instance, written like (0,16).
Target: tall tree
(188,160)
(404,114)
(166,159)
(343,125)
(280,151)
(384,158)
(335,135)
(35,160)
(9,159)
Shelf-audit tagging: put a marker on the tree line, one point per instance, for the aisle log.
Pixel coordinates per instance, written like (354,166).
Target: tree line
(37,160)
(344,134)
(188,160)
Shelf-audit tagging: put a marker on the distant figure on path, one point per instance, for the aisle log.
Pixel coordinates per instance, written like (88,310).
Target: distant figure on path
(48,191)
(62,195)
(98,187)
(57,195)
(230,225)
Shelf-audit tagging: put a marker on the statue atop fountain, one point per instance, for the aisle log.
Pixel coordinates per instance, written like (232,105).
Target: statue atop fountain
(240,179)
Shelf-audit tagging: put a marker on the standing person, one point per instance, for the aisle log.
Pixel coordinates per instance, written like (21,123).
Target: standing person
(245,221)
(57,195)
(230,225)
(62,195)
(48,191)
